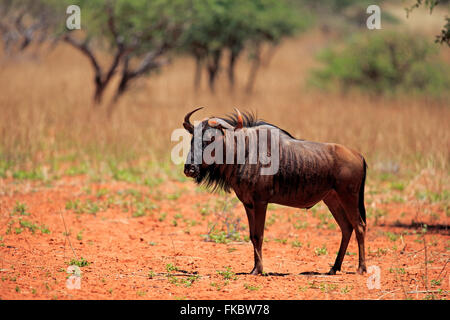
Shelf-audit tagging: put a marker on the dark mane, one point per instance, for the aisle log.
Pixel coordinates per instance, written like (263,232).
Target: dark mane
(212,178)
(251,120)
(216,177)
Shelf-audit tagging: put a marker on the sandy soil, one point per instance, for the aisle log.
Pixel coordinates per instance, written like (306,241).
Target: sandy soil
(165,255)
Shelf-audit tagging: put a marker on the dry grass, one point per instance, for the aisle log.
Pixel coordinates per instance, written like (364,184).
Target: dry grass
(46,111)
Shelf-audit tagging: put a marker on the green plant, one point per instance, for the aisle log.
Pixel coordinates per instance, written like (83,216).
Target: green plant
(296,244)
(300,224)
(190,280)
(230,233)
(282,241)
(162,216)
(436,282)
(384,63)
(28,225)
(44,229)
(174,196)
(21,209)
(399,186)
(141,293)
(80,263)
(321,251)
(227,274)
(251,287)
(346,289)
(171,267)
(234,25)
(392,236)
(328,287)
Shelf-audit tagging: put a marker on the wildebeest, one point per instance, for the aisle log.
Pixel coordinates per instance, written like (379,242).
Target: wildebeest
(308,173)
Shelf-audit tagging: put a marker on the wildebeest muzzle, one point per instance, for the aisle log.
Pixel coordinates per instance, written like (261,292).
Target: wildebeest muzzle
(191,170)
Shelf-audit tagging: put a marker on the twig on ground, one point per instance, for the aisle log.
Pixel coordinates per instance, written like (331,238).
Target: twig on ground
(425,291)
(445,265)
(67,234)
(426,262)
(386,293)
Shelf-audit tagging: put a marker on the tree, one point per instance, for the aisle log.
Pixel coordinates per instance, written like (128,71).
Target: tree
(234,25)
(138,34)
(23,22)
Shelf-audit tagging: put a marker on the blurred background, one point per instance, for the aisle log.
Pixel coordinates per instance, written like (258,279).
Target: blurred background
(103,100)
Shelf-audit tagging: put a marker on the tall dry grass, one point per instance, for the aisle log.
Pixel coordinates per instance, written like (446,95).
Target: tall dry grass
(46,111)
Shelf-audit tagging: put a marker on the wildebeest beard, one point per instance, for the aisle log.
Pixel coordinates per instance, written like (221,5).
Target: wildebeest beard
(213,177)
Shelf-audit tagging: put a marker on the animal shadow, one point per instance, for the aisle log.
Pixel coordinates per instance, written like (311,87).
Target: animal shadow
(315,273)
(266,274)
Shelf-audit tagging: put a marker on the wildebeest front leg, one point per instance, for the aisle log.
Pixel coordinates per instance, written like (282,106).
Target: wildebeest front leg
(256,214)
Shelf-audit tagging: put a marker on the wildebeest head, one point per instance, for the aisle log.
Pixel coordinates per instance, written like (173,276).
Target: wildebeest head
(202,136)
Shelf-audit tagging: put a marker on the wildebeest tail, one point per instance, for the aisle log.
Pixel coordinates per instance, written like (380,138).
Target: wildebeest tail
(362,209)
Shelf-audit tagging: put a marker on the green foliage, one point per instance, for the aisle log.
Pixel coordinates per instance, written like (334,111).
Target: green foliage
(4,165)
(321,251)
(35,174)
(251,287)
(20,209)
(80,263)
(227,274)
(171,267)
(138,23)
(217,24)
(337,6)
(384,63)
(235,25)
(296,244)
(433,197)
(221,236)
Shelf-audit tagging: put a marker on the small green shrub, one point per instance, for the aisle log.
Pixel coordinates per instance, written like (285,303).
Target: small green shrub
(384,63)
(80,263)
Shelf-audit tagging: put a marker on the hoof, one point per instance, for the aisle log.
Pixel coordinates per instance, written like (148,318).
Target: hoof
(332,272)
(255,272)
(362,270)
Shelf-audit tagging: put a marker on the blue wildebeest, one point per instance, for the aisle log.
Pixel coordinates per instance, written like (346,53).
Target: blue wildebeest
(306,173)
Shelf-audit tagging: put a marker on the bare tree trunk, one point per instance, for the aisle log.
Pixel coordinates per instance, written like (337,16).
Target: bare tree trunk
(147,64)
(99,88)
(265,60)
(123,85)
(234,54)
(101,80)
(198,73)
(254,69)
(213,68)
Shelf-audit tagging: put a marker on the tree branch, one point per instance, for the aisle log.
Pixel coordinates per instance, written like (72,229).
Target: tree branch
(83,47)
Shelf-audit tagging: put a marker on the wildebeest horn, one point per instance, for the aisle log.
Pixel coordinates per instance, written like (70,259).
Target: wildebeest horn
(187,123)
(240,121)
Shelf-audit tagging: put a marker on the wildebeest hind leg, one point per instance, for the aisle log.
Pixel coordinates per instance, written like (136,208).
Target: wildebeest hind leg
(340,216)
(349,202)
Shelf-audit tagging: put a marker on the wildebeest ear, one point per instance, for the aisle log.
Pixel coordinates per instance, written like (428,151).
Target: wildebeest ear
(219,124)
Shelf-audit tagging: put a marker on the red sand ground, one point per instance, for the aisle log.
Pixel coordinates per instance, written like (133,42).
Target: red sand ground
(129,255)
